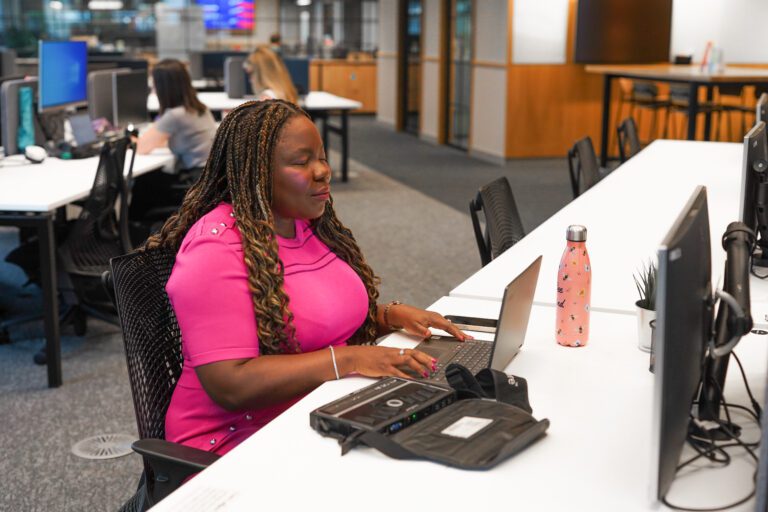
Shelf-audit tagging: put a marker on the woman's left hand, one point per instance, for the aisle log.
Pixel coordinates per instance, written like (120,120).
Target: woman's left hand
(417,322)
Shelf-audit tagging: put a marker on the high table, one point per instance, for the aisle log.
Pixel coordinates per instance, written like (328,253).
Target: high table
(627,214)
(319,104)
(595,456)
(691,75)
(30,194)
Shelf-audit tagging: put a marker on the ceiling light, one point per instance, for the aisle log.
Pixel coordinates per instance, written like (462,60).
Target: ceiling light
(303,3)
(105,5)
(56,5)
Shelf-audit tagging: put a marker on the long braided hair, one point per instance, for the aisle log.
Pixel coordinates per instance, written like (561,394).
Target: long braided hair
(239,170)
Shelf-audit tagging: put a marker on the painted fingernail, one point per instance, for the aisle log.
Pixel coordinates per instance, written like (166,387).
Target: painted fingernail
(425,374)
(434,360)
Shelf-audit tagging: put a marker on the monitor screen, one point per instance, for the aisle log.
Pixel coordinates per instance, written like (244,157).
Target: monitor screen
(213,63)
(228,14)
(129,98)
(623,32)
(298,68)
(683,327)
(753,168)
(63,74)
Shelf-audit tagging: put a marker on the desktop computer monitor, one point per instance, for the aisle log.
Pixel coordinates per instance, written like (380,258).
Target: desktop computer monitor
(129,98)
(753,204)
(63,68)
(213,63)
(683,328)
(298,68)
(762,108)
(100,104)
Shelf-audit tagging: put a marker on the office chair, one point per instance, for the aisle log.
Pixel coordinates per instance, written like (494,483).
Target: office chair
(84,248)
(97,235)
(583,167)
(152,341)
(503,227)
(629,141)
(679,99)
(641,95)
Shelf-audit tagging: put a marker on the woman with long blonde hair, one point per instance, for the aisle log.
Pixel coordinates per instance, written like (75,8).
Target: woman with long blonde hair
(269,77)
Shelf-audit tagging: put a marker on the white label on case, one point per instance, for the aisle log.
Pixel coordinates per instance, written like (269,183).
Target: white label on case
(466,427)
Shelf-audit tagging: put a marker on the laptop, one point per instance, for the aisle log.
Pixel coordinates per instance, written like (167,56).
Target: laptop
(510,332)
(87,143)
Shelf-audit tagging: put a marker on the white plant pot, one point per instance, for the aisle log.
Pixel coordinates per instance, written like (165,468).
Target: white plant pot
(644,331)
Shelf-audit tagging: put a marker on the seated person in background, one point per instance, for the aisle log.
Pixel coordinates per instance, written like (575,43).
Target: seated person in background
(185,125)
(269,77)
(272,293)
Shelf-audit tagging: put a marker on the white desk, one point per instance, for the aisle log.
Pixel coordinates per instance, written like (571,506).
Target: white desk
(27,187)
(595,455)
(319,104)
(315,100)
(30,194)
(627,215)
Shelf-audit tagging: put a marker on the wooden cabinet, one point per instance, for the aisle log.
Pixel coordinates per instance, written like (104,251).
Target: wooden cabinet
(348,79)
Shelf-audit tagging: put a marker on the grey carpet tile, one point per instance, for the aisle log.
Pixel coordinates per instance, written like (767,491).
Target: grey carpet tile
(451,176)
(420,247)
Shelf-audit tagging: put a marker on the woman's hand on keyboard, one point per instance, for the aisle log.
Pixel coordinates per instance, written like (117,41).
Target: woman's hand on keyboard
(374,361)
(417,322)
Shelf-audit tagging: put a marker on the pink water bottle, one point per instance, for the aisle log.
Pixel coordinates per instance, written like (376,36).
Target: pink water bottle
(574,286)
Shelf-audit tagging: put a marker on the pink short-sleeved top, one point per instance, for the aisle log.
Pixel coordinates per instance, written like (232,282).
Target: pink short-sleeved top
(208,289)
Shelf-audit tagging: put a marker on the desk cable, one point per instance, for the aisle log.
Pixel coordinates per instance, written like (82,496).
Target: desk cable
(711,448)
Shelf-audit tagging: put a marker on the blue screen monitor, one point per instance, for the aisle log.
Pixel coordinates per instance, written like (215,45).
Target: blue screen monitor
(63,74)
(228,14)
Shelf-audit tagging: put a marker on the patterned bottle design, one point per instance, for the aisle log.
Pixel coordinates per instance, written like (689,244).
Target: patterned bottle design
(574,286)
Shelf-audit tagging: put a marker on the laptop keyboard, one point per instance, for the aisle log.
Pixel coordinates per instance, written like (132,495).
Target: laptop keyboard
(473,355)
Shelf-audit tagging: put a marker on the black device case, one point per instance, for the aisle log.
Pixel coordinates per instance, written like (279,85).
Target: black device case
(490,395)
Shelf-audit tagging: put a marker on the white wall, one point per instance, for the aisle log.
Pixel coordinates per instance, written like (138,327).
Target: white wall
(430,69)
(736,26)
(386,68)
(267,14)
(489,82)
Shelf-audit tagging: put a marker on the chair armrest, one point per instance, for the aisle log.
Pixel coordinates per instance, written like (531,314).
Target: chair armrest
(171,465)
(175,453)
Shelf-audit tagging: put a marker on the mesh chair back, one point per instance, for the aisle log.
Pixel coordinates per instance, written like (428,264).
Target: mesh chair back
(583,166)
(150,333)
(94,237)
(503,227)
(644,91)
(629,140)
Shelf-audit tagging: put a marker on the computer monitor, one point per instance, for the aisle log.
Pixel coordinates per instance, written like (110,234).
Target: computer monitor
(100,104)
(298,68)
(762,108)
(683,328)
(63,68)
(129,98)
(213,63)
(753,203)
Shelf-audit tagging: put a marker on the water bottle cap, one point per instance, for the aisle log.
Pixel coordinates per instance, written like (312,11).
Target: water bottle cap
(576,233)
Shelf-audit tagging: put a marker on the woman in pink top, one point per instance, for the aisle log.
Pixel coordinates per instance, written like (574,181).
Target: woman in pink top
(272,294)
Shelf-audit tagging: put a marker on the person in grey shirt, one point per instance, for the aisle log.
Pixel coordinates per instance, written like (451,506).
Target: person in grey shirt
(187,128)
(185,125)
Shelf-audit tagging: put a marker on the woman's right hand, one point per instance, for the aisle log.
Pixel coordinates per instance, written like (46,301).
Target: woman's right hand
(375,361)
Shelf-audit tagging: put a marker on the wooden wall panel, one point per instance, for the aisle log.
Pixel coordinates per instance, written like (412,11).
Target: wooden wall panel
(353,80)
(549,107)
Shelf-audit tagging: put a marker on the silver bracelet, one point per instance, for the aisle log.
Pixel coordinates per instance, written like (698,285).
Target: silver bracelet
(333,357)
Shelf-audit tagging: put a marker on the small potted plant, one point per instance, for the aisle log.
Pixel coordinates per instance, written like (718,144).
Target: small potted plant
(645,282)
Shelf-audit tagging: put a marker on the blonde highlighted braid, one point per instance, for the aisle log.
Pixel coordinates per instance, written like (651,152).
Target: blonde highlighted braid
(239,170)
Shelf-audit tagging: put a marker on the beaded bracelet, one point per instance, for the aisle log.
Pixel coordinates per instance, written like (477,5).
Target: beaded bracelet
(386,315)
